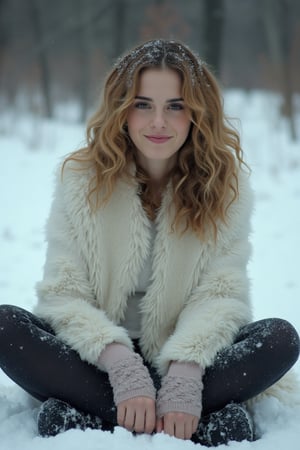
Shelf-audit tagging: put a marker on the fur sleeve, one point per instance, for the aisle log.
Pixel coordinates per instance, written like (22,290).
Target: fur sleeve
(219,305)
(65,296)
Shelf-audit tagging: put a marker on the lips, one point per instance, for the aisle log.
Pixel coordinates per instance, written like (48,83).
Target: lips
(158,139)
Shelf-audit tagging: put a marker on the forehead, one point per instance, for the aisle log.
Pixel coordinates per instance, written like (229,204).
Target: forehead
(163,82)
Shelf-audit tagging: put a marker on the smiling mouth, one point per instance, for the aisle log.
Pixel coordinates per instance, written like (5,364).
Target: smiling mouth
(158,139)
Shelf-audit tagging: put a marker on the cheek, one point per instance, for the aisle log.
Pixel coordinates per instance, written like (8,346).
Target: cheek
(134,122)
(183,127)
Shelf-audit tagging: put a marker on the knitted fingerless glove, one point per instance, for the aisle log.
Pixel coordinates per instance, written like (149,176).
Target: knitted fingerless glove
(127,374)
(181,390)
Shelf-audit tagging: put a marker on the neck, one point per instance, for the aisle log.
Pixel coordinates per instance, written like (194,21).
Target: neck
(157,170)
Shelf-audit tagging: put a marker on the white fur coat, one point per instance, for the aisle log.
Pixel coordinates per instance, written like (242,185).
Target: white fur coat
(198,296)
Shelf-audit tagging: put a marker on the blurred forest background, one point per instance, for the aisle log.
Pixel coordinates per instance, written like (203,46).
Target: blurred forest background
(60,50)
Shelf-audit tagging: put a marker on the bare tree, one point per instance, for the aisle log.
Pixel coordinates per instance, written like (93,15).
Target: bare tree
(163,18)
(84,39)
(213,32)
(120,8)
(3,34)
(277,29)
(71,42)
(42,57)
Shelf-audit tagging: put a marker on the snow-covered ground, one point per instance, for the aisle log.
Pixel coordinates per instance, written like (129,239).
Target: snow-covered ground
(31,147)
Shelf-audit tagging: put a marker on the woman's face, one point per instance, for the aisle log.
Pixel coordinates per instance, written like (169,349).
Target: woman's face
(158,121)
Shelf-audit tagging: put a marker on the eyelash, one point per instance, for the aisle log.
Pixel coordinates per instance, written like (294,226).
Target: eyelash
(176,106)
(171,106)
(142,105)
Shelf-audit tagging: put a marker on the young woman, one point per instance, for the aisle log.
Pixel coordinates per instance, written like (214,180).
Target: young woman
(143,316)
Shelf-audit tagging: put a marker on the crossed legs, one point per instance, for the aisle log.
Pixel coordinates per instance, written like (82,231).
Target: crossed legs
(35,359)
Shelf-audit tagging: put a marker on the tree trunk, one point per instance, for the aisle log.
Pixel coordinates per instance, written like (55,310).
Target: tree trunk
(275,18)
(84,46)
(213,20)
(118,27)
(42,59)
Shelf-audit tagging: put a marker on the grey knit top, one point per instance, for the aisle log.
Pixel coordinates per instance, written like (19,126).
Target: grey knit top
(132,320)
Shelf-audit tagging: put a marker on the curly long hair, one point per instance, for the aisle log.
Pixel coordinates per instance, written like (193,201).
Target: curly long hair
(205,178)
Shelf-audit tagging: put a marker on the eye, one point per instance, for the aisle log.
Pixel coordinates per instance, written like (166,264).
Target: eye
(142,105)
(176,106)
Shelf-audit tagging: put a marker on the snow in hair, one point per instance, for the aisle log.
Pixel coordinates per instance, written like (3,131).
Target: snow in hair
(158,53)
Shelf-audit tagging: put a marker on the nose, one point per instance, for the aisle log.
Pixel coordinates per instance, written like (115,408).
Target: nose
(158,120)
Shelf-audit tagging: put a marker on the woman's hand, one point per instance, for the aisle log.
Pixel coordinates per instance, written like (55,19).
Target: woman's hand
(178,424)
(137,414)
(179,400)
(133,389)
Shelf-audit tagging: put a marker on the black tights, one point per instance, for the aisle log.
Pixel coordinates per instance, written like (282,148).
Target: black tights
(34,358)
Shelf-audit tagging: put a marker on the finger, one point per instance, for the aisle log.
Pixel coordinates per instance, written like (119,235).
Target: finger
(179,426)
(144,414)
(195,424)
(129,418)
(121,414)
(169,424)
(150,419)
(139,422)
(188,429)
(159,425)
(144,422)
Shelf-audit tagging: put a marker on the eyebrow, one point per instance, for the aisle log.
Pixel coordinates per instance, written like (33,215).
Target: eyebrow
(171,100)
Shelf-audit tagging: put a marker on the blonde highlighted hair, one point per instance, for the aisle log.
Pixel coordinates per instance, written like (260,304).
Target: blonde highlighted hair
(205,179)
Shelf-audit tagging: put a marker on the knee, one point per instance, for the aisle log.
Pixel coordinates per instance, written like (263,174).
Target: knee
(9,315)
(287,338)
(6,311)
